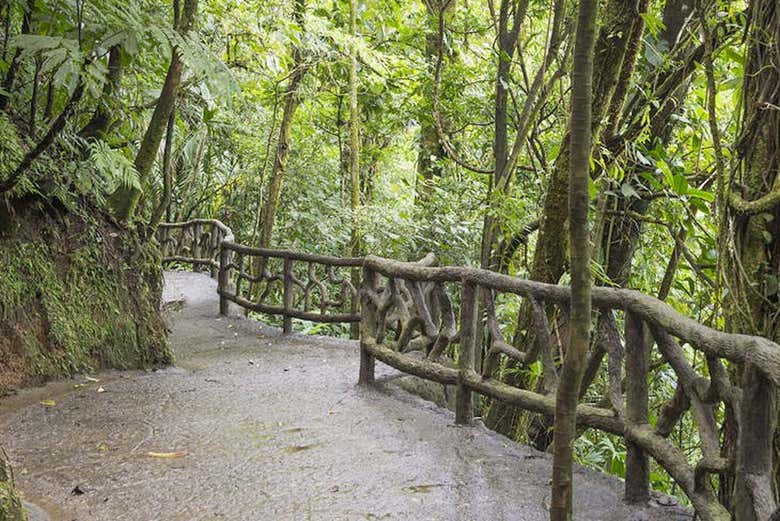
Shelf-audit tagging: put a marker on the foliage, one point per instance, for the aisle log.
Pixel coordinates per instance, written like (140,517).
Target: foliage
(654,164)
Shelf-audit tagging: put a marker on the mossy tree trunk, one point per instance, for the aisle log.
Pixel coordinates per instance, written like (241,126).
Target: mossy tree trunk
(579,235)
(752,265)
(292,100)
(125,199)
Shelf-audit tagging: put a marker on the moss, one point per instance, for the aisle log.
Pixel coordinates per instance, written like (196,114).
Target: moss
(10,504)
(78,297)
(11,151)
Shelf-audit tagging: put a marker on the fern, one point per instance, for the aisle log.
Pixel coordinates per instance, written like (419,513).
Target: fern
(112,168)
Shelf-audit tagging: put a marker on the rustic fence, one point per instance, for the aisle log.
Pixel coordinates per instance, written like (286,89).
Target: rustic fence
(197,242)
(449,313)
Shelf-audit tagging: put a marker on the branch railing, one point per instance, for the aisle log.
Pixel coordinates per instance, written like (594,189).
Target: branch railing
(408,307)
(197,242)
(449,317)
(316,288)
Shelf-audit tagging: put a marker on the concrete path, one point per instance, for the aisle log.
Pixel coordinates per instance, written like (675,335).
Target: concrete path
(255,426)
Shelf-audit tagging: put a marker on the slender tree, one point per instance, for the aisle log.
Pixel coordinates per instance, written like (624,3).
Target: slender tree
(579,237)
(291,102)
(125,199)
(430,149)
(354,133)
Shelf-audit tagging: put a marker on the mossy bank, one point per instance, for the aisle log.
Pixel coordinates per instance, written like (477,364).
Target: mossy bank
(10,504)
(76,294)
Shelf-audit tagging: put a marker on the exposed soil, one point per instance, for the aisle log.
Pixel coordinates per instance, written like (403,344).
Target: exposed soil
(256,426)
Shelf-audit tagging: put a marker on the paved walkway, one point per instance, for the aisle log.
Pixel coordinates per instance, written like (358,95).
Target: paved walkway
(260,427)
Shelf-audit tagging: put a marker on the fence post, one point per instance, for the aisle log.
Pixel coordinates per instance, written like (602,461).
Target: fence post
(464,400)
(216,239)
(223,279)
(196,252)
(367,325)
(637,367)
(354,304)
(288,295)
(163,234)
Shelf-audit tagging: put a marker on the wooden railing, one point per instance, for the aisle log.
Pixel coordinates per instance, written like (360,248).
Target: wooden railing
(309,287)
(315,288)
(449,316)
(407,307)
(197,242)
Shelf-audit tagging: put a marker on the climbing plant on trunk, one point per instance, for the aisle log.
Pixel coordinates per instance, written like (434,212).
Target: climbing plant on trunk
(752,264)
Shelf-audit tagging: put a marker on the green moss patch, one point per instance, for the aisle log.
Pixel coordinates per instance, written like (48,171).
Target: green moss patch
(76,296)
(10,504)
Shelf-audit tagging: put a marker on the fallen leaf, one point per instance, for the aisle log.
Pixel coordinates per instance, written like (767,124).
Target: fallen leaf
(48,403)
(298,448)
(167,455)
(422,489)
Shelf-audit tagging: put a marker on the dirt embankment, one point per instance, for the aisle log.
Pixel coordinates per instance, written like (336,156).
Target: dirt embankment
(77,294)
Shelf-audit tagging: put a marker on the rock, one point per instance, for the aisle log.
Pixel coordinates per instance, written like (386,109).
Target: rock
(10,504)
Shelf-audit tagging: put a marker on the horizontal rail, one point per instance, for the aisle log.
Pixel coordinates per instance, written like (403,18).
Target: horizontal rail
(342,318)
(192,222)
(355,262)
(190,260)
(759,351)
(587,415)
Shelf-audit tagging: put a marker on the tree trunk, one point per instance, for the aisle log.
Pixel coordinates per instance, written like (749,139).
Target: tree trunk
(579,235)
(508,34)
(354,159)
(549,261)
(164,207)
(291,103)
(125,199)
(431,151)
(102,117)
(753,262)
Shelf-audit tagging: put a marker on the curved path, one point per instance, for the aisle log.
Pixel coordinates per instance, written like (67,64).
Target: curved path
(257,427)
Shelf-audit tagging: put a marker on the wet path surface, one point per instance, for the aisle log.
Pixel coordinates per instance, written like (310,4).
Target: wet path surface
(254,426)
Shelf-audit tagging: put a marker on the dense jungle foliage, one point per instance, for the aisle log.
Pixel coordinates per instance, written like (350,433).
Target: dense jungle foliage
(401,127)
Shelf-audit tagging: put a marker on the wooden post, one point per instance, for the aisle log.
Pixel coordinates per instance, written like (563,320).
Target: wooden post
(288,295)
(196,246)
(223,281)
(216,240)
(367,325)
(464,400)
(637,367)
(239,264)
(164,233)
(354,304)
